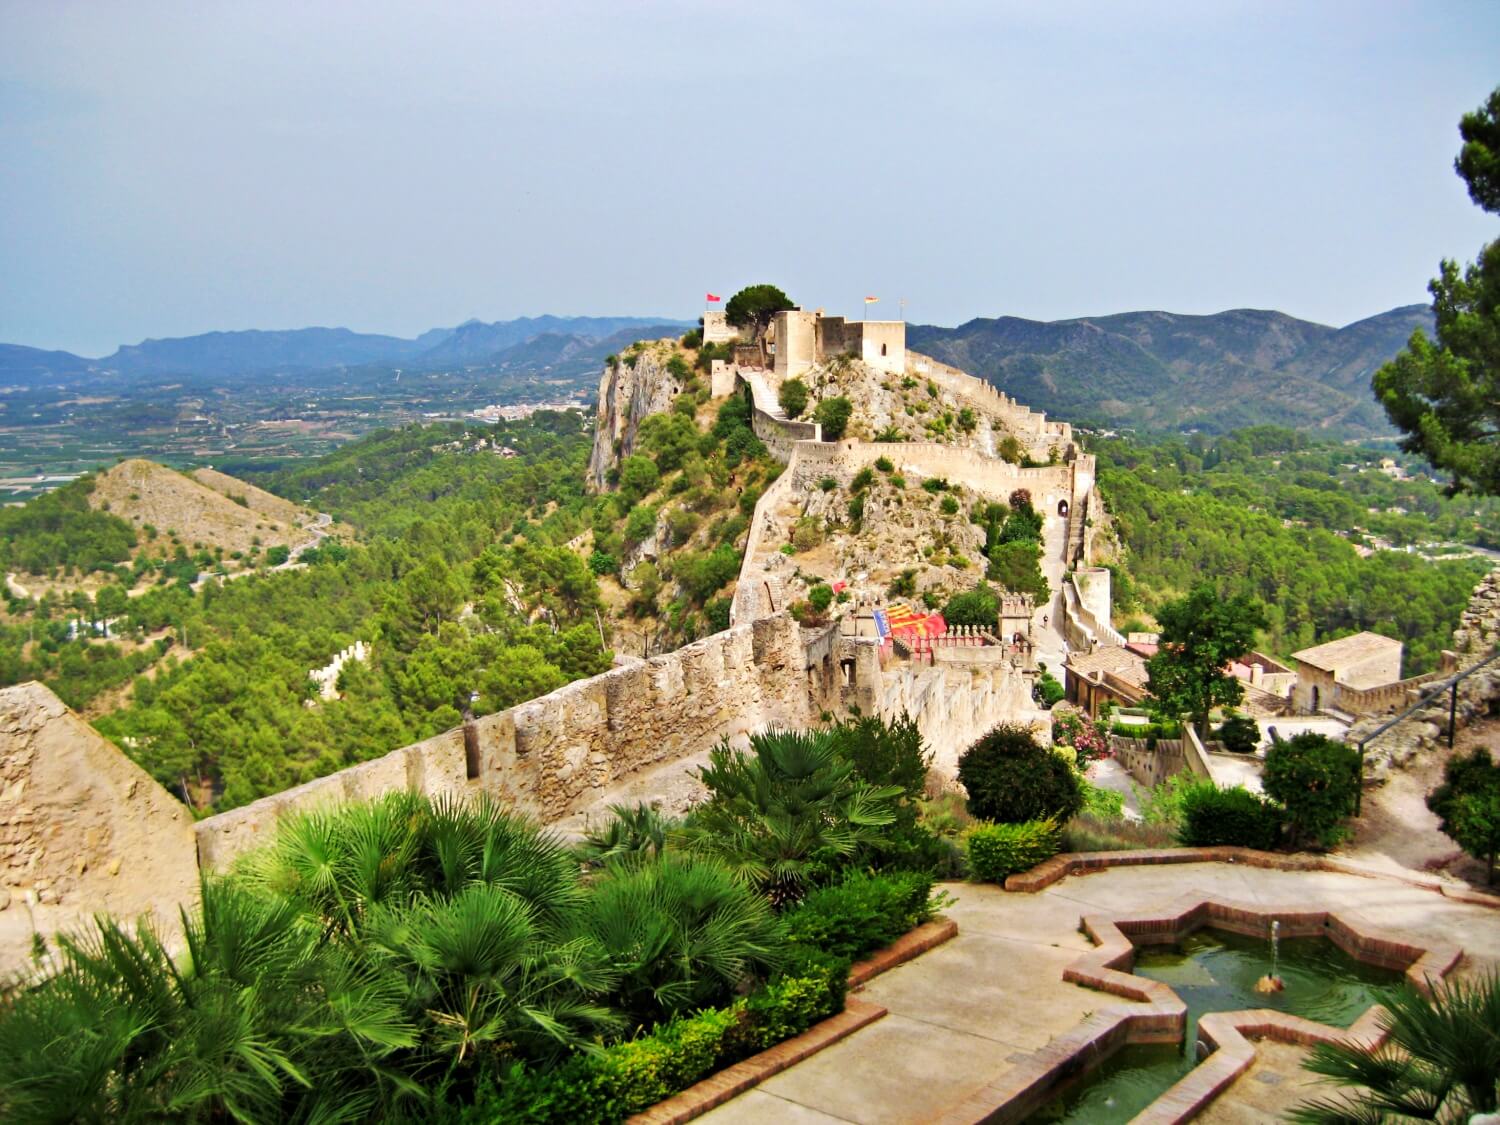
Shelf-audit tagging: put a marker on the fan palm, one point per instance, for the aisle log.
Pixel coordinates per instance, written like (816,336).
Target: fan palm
(633,830)
(1441,1061)
(258,1021)
(682,933)
(784,814)
(337,864)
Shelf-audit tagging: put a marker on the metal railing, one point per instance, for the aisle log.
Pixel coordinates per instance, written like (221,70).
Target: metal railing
(1449,685)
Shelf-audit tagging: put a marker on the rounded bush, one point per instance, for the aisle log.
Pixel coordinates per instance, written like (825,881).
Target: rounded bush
(1236,817)
(1011,778)
(1240,734)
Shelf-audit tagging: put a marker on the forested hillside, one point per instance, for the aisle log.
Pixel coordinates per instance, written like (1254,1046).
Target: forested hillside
(484,575)
(1272,513)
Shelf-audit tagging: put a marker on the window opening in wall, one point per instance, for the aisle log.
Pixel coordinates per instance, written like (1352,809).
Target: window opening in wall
(882,349)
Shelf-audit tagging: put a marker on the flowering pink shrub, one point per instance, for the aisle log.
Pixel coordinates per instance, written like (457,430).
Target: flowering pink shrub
(1075,729)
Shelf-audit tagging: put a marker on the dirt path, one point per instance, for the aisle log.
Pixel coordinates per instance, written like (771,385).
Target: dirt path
(1398,832)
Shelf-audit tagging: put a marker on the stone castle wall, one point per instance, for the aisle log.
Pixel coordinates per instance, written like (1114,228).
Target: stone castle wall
(83,829)
(555,755)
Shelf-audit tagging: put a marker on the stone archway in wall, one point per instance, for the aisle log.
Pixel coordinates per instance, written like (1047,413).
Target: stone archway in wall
(1062,508)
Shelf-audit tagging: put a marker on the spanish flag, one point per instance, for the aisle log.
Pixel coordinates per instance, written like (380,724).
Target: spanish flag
(871,300)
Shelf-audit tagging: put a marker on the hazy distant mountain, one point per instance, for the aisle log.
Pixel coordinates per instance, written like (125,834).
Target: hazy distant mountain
(247,352)
(312,349)
(554,353)
(31,366)
(1163,370)
(477,342)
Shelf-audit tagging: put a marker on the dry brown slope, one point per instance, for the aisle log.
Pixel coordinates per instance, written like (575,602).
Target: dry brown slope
(259,500)
(143,492)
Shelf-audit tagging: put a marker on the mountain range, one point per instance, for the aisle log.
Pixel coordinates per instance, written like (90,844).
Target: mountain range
(544,340)
(1158,370)
(1145,370)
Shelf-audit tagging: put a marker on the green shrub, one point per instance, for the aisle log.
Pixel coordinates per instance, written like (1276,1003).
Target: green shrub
(998,850)
(640,525)
(1240,734)
(861,914)
(716,613)
(884,464)
(820,596)
(602,563)
(828,484)
(862,479)
(1235,816)
(792,397)
(979,606)
(609,1085)
(857,508)
(1164,802)
(1049,690)
(1167,728)
(803,962)
(1105,804)
(833,415)
(807,533)
(1011,778)
(693,338)
(1316,780)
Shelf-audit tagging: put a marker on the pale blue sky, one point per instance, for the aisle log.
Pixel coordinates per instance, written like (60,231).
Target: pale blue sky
(167,169)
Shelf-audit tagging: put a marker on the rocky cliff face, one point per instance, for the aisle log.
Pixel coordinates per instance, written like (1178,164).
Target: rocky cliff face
(629,392)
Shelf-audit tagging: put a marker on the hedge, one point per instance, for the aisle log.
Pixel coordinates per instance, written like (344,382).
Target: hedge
(863,913)
(611,1084)
(826,931)
(998,850)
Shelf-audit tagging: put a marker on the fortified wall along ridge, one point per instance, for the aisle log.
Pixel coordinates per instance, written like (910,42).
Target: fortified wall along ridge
(83,829)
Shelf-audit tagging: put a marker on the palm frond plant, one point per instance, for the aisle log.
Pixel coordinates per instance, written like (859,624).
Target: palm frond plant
(258,1021)
(784,815)
(1441,1061)
(632,830)
(486,977)
(338,864)
(682,933)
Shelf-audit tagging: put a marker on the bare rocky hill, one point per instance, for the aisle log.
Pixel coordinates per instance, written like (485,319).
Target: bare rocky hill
(199,511)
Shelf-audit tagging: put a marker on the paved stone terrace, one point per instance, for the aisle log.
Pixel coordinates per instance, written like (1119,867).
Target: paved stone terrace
(964,1014)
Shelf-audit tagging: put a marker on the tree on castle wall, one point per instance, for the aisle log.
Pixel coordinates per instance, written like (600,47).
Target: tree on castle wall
(754,306)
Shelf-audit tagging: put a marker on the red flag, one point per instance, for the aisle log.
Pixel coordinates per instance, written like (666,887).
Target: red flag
(711,297)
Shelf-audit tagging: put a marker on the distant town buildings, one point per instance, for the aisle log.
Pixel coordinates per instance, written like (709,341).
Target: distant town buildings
(516,412)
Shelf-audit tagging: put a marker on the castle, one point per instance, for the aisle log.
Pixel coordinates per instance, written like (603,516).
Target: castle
(83,829)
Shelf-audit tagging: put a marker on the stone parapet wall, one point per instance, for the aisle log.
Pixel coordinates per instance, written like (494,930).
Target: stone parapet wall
(1082,628)
(1479,628)
(953,703)
(1030,426)
(555,755)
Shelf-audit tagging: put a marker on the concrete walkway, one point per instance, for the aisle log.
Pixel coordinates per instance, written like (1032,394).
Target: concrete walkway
(963,1014)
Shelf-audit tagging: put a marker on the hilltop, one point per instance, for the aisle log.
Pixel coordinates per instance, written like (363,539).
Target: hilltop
(207,509)
(1159,370)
